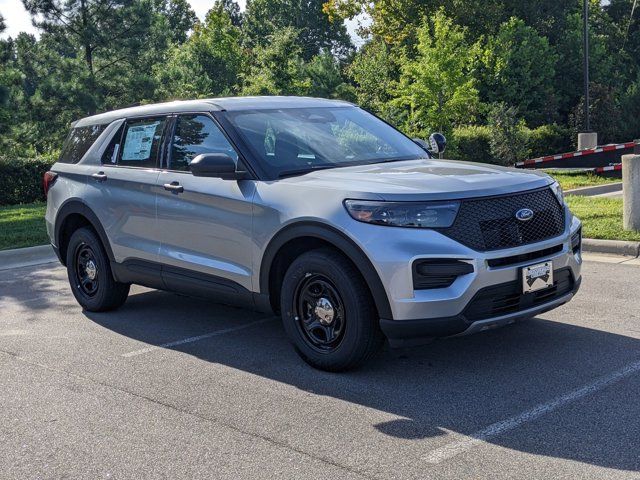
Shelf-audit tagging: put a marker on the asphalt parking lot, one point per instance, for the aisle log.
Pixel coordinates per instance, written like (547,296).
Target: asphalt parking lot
(175,387)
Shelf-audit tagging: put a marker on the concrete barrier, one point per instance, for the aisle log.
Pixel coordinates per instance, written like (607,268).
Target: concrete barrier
(587,140)
(631,191)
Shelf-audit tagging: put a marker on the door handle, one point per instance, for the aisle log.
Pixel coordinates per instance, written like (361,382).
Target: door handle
(174,187)
(100,176)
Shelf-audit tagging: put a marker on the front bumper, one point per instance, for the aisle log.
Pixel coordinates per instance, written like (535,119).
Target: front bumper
(415,332)
(419,313)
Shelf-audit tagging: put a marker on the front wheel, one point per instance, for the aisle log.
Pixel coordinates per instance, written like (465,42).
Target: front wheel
(328,312)
(90,274)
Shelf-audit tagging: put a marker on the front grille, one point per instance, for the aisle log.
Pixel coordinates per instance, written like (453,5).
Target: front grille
(490,223)
(507,298)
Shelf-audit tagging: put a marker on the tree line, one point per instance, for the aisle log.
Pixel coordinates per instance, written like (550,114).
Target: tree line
(501,78)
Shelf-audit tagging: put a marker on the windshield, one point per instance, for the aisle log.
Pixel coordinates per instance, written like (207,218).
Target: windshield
(298,140)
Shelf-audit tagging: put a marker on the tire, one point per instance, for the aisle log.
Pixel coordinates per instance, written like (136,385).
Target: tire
(90,275)
(328,312)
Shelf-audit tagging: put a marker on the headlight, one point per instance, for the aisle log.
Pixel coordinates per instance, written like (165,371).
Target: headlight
(404,214)
(557,191)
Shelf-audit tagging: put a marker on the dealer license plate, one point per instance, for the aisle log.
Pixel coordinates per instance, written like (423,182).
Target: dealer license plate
(537,277)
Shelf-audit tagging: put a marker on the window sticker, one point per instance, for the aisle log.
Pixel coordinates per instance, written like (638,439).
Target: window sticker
(137,145)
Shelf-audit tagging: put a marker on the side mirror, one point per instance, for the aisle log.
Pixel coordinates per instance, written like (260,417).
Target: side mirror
(438,143)
(218,165)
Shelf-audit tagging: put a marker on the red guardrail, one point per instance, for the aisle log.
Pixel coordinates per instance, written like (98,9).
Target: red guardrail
(535,162)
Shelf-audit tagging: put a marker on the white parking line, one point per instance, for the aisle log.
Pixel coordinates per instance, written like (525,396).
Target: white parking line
(456,448)
(142,351)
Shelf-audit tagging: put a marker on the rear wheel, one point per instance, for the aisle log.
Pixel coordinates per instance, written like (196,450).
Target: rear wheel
(90,274)
(328,311)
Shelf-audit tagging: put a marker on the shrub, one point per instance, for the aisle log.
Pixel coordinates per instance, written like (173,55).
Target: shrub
(21,179)
(472,144)
(549,140)
(508,135)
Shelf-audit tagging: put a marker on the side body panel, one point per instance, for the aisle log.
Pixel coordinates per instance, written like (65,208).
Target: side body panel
(125,204)
(208,227)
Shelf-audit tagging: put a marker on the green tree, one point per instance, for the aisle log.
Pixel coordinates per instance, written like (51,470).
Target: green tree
(628,112)
(375,72)
(278,67)
(176,17)
(316,33)
(519,69)
(623,31)
(607,117)
(108,35)
(397,21)
(437,88)
(207,64)
(604,60)
(233,10)
(326,78)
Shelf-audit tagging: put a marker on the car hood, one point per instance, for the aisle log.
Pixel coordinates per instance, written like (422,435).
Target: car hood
(424,180)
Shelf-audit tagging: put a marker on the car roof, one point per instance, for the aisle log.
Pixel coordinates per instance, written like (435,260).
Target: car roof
(211,104)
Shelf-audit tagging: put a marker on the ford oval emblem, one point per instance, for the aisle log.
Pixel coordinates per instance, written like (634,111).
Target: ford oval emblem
(524,214)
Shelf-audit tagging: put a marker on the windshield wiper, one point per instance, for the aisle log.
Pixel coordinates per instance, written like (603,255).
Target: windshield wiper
(303,171)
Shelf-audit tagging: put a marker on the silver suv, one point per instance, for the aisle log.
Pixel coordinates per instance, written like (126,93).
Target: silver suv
(311,208)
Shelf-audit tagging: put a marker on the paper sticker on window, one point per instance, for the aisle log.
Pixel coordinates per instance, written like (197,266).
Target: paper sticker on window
(137,145)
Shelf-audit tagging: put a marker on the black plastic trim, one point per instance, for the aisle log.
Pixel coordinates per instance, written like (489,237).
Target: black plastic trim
(576,241)
(340,241)
(77,206)
(175,279)
(56,250)
(434,273)
(409,332)
(141,272)
(524,257)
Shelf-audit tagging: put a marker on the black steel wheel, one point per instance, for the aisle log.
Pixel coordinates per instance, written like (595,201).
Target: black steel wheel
(319,312)
(328,312)
(86,269)
(89,272)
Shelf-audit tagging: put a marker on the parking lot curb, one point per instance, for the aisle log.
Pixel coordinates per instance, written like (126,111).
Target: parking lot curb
(615,247)
(25,257)
(597,190)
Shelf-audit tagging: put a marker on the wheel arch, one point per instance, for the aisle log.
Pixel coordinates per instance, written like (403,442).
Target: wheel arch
(74,214)
(316,235)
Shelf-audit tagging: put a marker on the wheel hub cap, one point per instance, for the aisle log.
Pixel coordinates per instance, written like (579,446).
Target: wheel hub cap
(324,311)
(91,270)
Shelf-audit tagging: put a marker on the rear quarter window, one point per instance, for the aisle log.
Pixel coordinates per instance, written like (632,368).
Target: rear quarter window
(78,143)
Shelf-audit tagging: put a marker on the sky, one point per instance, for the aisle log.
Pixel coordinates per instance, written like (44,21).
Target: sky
(18,20)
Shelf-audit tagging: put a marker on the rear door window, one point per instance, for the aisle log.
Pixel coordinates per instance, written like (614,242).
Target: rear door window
(141,143)
(110,155)
(78,143)
(194,135)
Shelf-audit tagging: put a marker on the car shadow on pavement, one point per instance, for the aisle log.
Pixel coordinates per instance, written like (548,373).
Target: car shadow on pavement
(33,288)
(459,384)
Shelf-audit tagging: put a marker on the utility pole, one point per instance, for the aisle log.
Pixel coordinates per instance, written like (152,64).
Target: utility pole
(587,119)
(587,139)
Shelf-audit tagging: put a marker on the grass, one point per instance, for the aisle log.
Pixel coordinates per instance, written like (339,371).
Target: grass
(22,225)
(576,179)
(601,217)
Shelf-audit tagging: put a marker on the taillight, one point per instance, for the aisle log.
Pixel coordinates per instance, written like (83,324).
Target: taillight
(48,180)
